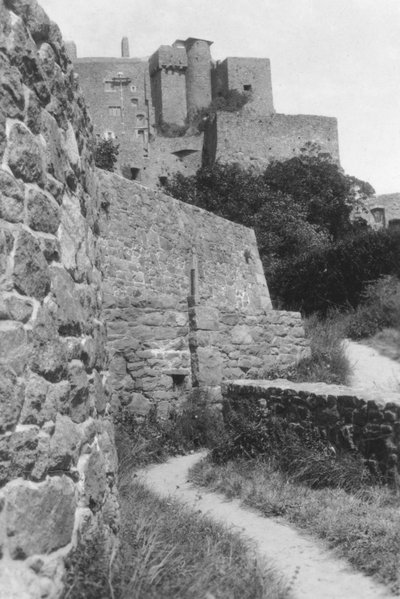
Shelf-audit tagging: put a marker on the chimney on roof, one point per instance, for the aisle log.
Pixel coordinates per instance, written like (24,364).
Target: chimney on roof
(125,47)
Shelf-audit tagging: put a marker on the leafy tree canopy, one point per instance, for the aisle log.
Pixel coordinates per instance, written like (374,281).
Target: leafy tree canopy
(106,154)
(296,207)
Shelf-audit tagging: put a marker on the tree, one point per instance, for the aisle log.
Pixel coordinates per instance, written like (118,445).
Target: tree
(300,209)
(315,181)
(106,154)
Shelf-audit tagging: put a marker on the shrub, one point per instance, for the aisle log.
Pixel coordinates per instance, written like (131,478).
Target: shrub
(106,154)
(336,276)
(165,129)
(231,101)
(303,451)
(88,569)
(145,440)
(379,309)
(328,362)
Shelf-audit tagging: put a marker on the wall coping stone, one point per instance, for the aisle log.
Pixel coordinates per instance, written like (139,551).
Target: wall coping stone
(380,397)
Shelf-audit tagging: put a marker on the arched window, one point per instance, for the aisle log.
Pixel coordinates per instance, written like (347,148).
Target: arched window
(379,216)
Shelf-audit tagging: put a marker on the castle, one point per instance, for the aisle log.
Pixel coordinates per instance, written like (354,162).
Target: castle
(113,294)
(129,98)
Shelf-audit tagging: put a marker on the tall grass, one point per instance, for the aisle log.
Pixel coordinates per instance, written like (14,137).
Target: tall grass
(328,362)
(170,552)
(379,309)
(363,526)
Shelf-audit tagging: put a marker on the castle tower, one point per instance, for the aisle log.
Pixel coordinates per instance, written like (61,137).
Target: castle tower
(71,50)
(198,74)
(125,47)
(167,68)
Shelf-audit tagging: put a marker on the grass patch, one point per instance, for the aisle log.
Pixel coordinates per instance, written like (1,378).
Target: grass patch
(170,552)
(363,526)
(378,310)
(143,441)
(328,362)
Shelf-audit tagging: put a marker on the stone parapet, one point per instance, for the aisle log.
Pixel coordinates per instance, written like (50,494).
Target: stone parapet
(350,422)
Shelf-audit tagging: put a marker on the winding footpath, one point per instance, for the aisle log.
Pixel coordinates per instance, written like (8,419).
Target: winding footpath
(315,571)
(372,373)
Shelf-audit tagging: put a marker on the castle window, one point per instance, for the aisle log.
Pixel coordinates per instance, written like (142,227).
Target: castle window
(108,86)
(140,119)
(379,216)
(135,174)
(114,111)
(247,88)
(140,133)
(133,88)
(109,135)
(134,101)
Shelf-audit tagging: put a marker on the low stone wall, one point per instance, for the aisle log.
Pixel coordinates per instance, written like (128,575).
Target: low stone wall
(370,427)
(232,345)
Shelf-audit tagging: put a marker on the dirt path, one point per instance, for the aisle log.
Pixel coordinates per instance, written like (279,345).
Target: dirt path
(318,573)
(372,372)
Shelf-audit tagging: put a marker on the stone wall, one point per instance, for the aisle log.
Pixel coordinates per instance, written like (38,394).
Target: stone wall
(116,91)
(167,69)
(156,250)
(57,455)
(368,425)
(250,139)
(250,75)
(228,345)
(388,213)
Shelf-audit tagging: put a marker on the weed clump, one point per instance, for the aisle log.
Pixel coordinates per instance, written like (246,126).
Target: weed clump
(142,441)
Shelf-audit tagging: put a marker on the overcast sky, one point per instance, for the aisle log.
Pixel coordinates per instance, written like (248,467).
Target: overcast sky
(331,57)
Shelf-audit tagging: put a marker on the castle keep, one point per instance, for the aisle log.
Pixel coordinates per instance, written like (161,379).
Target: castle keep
(130,99)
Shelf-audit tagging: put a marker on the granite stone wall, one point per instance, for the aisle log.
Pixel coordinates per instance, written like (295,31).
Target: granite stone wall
(57,455)
(252,139)
(156,252)
(228,345)
(367,425)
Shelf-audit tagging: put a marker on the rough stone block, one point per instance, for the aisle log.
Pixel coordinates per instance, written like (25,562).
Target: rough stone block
(55,158)
(11,198)
(95,480)
(14,345)
(31,273)
(6,246)
(204,318)
(33,118)
(42,212)
(48,353)
(209,371)
(139,405)
(70,314)
(11,91)
(14,307)
(11,398)
(35,398)
(64,444)
(79,394)
(23,446)
(48,523)
(240,335)
(25,155)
